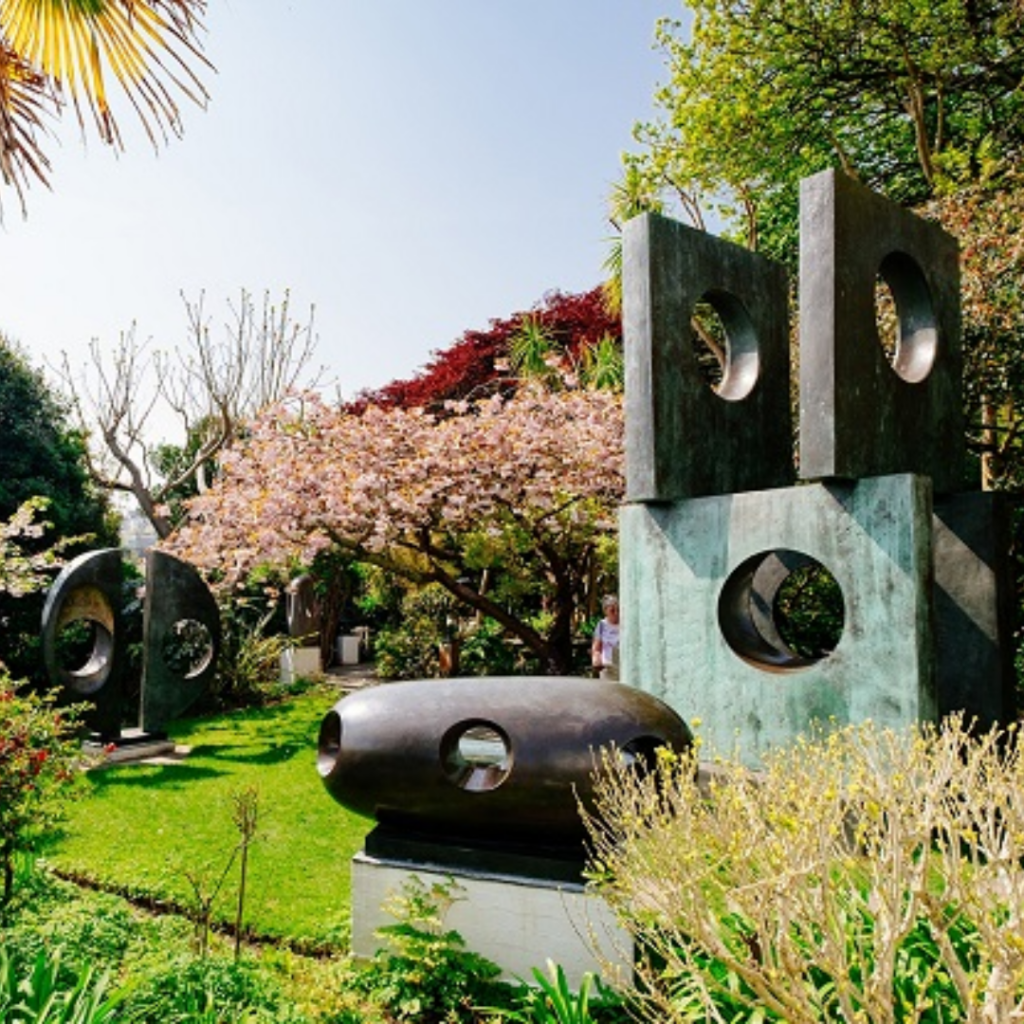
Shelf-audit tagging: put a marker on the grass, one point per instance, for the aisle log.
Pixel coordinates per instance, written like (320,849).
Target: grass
(142,828)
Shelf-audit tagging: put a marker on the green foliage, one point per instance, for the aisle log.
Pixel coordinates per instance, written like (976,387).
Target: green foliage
(861,875)
(206,990)
(47,914)
(602,364)
(55,928)
(427,975)
(430,620)
(912,98)
(809,612)
(253,638)
(554,1002)
(411,648)
(41,457)
(533,353)
(39,755)
(36,996)
(177,466)
(484,650)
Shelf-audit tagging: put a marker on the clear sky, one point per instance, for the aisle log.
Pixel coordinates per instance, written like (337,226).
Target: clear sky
(412,169)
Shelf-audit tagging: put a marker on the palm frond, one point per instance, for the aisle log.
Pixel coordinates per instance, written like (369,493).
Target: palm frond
(25,98)
(148,48)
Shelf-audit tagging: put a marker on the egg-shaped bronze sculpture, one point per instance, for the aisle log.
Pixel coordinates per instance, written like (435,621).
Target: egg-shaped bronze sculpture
(486,759)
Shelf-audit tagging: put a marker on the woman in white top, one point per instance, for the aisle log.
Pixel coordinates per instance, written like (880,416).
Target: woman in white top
(604,649)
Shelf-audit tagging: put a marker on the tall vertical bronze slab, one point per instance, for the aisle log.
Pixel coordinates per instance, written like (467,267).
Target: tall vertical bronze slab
(860,415)
(181,638)
(88,591)
(975,603)
(684,439)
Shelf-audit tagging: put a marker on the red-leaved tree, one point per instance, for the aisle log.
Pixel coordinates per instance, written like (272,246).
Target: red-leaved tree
(475,365)
(525,487)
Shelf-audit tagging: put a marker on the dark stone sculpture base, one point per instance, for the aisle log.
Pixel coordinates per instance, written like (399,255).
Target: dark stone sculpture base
(131,745)
(552,863)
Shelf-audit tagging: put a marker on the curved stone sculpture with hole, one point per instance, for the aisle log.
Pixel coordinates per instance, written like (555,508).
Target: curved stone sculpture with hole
(83,649)
(499,760)
(84,641)
(180,639)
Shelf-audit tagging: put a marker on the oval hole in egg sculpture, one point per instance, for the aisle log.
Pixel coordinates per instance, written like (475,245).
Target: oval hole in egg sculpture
(476,755)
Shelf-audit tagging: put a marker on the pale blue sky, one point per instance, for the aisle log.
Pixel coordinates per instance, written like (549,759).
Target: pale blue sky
(413,168)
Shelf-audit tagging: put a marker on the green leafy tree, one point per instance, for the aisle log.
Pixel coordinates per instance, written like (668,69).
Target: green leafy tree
(41,457)
(921,101)
(913,97)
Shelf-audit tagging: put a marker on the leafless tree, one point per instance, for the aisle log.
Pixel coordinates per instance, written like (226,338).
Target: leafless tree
(212,385)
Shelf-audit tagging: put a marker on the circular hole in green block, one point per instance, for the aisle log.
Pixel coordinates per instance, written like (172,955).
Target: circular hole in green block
(781,610)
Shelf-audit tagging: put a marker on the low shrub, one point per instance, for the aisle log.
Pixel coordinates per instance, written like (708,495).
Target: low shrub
(39,757)
(36,994)
(863,875)
(427,974)
(50,914)
(411,649)
(189,990)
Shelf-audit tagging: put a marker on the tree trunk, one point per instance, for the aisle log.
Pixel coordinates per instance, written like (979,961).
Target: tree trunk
(990,444)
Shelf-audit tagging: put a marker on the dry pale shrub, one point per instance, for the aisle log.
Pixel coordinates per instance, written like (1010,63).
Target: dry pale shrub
(862,876)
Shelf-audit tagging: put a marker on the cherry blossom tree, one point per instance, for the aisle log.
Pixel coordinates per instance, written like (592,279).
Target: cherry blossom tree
(525,488)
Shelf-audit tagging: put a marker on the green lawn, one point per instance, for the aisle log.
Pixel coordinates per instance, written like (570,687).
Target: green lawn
(140,827)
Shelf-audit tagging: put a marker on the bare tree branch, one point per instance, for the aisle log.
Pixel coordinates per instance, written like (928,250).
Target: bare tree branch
(212,384)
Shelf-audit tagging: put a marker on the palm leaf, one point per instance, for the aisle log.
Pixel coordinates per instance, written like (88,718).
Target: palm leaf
(147,48)
(25,96)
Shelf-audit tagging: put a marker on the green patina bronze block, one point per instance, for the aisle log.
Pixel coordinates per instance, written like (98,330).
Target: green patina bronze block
(864,412)
(698,582)
(685,436)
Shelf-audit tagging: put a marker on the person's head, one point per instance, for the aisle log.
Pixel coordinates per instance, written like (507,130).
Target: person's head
(610,606)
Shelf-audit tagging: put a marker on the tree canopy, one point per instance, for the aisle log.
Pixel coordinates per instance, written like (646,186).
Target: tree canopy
(42,456)
(43,475)
(577,326)
(913,97)
(524,488)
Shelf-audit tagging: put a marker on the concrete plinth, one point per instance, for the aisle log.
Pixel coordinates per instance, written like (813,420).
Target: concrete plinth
(300,663)
(515,922)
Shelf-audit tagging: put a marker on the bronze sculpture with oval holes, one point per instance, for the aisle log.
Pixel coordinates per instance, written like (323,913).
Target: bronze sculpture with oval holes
(84,639)
(485,773)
